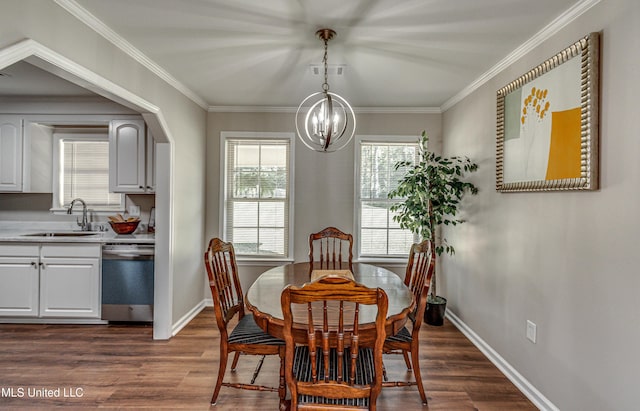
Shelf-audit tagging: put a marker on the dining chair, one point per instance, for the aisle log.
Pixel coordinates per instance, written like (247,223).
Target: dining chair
(228,301)
(331,243)
(336,368)
(420,268)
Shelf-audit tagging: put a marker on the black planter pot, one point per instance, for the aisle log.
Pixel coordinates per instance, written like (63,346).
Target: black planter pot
(434,313)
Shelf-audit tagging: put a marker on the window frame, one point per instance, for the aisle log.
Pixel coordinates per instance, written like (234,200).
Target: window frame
(253,136)
(57,170)
(359,141)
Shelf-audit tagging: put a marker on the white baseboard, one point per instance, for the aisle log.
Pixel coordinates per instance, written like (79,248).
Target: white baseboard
(511,373)
(182,322)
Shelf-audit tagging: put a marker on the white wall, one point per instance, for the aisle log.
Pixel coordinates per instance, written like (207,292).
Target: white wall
(324,182)
(567,261)
(53,27)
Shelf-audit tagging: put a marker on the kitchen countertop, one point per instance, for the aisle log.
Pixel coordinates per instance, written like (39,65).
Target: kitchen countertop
(21,233)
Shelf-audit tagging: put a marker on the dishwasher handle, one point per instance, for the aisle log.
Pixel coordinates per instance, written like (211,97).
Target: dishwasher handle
(119,252)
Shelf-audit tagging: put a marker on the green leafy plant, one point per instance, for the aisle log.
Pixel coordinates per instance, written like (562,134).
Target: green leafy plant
(431,190)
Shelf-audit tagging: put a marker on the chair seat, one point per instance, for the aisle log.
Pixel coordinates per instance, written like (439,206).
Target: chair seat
(365,372)
(248,332)
(403,336)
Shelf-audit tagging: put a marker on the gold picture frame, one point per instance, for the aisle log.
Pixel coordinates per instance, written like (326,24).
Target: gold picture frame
(547,123)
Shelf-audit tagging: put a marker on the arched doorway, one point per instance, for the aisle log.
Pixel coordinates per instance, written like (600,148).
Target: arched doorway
(40,56)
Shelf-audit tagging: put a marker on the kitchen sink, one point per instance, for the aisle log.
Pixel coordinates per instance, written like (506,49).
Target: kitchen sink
(62,234)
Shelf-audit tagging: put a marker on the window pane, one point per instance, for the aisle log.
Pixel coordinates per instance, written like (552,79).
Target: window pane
(373,242)
(379,234)
(245,214)
(273,184)
(271,241)
(400,241)
(247,156)
(245,240)
(246,184)
(85,173)
(258,169)
(271,214)
(374,215)
(273,157)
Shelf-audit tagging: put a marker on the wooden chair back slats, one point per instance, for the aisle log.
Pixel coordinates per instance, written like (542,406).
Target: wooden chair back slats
(420,269)
(246,337)
(223,280)
(332,306)
(335,248)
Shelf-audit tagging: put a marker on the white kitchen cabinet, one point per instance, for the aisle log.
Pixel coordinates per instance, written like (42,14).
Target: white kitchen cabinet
(19,280)
(50,280)
(130,159)
(70,281)
(11,153)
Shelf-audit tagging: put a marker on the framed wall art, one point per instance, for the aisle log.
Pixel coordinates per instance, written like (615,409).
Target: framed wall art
(547,123)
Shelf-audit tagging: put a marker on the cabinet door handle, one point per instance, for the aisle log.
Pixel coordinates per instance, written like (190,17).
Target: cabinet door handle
(42,265)
(34,264)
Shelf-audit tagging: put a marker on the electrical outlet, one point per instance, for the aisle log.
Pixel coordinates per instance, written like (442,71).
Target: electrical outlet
(531,331)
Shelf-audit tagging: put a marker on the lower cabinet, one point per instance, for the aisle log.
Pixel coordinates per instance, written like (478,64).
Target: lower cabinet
(19,280)
(50,280)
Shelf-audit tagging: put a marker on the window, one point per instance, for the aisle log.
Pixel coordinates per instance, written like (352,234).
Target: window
(257,184)
(378,235)
(82,171)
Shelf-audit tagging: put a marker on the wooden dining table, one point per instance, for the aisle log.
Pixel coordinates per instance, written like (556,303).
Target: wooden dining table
(263,300)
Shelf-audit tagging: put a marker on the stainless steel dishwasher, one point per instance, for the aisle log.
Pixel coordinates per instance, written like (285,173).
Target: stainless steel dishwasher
(127,282)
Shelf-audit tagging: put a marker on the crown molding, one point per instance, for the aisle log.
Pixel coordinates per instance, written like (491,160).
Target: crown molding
(250,109)
(359,110)
(549,30)
(105,31)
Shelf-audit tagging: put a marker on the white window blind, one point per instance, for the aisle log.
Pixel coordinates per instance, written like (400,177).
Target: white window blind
(257,196)
(83,173)
(379,235)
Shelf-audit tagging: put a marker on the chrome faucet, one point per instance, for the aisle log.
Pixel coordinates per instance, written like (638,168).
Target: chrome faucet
(84,224)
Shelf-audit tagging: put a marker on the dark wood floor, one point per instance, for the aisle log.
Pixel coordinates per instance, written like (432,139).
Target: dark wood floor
(121,367)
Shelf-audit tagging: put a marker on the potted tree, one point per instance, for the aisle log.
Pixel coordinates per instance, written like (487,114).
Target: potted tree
(432,190)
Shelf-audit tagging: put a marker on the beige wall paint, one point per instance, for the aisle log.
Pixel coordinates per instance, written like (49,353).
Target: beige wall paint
(323,182)
(567,261)
(53,27)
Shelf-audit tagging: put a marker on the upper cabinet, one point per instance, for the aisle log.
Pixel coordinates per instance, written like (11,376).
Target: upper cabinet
(131,157)
(11,137)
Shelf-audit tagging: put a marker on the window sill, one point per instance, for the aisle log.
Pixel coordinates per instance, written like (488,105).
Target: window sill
(263,261)
(90,211)
(388,261)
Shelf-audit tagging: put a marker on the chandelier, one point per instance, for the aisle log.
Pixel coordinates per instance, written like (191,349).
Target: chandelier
(325,121)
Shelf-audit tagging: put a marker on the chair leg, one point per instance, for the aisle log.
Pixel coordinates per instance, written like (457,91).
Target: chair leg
(385,378)
(221,370)
(234,364)
(405,354)
(417,375)
(257,371)
(282,385)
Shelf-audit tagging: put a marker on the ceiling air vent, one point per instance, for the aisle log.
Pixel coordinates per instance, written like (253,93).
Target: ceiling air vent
(332,69)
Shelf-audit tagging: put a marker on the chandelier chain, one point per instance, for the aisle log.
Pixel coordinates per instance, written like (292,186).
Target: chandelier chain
(325,85)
